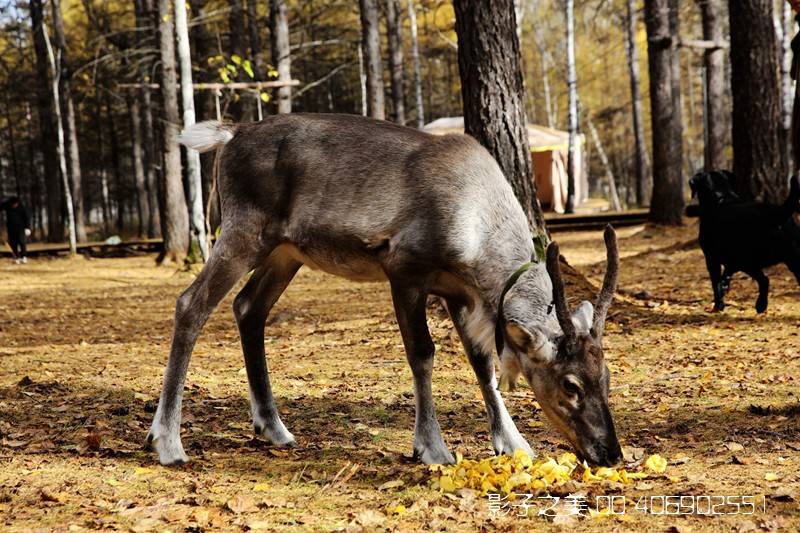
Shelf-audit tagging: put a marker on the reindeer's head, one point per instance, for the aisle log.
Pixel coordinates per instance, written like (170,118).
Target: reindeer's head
(566,368)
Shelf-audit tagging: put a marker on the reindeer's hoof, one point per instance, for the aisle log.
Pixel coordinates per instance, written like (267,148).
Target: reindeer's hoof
(761,306)
(510,444)
(169,449)
(434,455)
(276,433)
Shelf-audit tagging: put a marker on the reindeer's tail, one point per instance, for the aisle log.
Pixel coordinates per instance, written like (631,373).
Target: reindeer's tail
(204,137)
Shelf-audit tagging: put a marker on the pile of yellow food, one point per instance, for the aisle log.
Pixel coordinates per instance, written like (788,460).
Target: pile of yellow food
(519,474)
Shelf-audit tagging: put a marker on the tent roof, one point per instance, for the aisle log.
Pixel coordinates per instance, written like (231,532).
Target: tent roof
(541,138)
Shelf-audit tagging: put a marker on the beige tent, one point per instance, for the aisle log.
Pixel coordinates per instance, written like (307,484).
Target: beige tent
(549,149)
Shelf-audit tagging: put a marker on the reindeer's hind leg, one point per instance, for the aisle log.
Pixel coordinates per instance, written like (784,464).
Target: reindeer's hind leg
(409,305)
(506,438)
(230,259)
(251,308)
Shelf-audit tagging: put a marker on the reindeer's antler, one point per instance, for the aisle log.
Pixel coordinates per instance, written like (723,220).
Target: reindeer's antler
(559,298)
(609,283)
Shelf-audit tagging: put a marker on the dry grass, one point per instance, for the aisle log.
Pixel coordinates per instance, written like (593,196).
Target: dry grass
(83,344)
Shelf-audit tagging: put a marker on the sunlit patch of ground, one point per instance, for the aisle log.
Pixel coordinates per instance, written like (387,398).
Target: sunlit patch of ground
(83,344)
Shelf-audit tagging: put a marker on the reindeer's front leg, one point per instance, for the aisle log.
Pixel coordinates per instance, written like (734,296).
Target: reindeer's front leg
(506,438)
(409,306)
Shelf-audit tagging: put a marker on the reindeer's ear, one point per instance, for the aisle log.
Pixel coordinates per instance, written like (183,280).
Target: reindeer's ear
(534,344)
(583,317)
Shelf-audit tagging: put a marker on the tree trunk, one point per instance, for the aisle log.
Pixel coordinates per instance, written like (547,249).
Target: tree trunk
(371,45)
(101,164)
(70,127)
(394,28)
(55,65)
(145,17)
(612,183)
(142,207)
(572,89)
(198,221)
(281,51)
(175,214)
(412,23)
(759,154)
(44,106)
(239,108)
(715,110)
(493,94)
(786,25)
(667,202)
(255,40)
(643,185)
(115,162)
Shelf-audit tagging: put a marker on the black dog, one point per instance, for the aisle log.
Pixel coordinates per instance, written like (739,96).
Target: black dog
(743,236)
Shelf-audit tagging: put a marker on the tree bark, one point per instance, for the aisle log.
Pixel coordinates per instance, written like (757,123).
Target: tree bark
(759,149)
(281,52)
(47,132)
(371,45)
(666,206)
(145,18)
(175,215)
(572,89)
(70,127)
(394,29)
(60,145)
(642,163)
(412,24)
(137,154)
(493,94)
(195,180)
(241,107)
(786,25)
(715,111)
(255,39)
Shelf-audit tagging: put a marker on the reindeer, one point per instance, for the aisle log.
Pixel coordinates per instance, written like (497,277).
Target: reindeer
(370,200)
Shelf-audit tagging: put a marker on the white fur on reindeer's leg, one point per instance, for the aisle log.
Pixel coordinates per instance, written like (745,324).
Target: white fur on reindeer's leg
(165,438)
(506,438)
(272,428)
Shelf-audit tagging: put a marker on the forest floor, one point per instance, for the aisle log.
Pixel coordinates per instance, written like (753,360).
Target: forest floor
(83,343)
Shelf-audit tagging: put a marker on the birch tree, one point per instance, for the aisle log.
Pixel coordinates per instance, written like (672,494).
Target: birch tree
(60,148)
(643,185)
(281,52)
(371,45)
(394,29)
(572,89)
(70,124)
(418,102)
(175,225)
(194,177)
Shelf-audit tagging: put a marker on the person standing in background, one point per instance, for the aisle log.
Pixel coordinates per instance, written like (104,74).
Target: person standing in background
(18,228)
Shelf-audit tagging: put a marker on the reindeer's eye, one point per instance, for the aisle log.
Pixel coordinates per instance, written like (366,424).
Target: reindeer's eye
(571,387)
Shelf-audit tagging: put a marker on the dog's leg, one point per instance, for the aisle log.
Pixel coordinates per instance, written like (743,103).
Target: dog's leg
(763,289)
(714,273)
(725,282)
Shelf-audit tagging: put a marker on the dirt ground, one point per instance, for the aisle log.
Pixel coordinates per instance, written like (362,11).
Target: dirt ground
(83,343)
